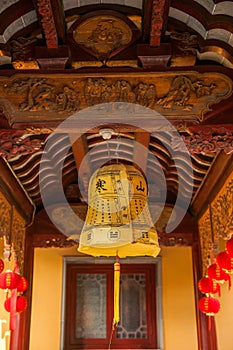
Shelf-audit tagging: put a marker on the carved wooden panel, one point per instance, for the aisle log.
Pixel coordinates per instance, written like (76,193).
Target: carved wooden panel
(206,241)
(222,210)
(102,35)
(183,95)
(15,142)
(5,217)
(12,228)
(18,239)
(217,222)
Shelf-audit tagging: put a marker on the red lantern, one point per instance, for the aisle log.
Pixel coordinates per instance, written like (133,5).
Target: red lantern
(1,265)
(215,272)
(209,305)
(21,304)
(225,262)
(9,280)
(229,247)
(207,285)
(22,285)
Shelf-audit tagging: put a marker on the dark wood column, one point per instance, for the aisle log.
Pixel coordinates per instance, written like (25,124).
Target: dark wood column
(21,336)
(206,331)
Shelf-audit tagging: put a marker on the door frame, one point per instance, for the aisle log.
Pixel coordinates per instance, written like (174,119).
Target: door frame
(108,260)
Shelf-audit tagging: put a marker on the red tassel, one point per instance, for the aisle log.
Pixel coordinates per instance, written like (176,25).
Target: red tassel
(209,323)
(13,309)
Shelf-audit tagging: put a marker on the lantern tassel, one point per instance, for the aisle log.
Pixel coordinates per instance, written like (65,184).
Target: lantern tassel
(209,323)
(116,317)
(13,309)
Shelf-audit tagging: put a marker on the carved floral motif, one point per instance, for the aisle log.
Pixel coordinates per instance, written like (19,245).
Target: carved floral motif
(222,211)
(205,142)
(14,143)
(217,222)
(48,24)
(18,239)
(156,22)
(206,241)
(5,217)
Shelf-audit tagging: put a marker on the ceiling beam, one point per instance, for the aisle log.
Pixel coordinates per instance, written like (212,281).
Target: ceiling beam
(81,157)
(14,192)
(141,138)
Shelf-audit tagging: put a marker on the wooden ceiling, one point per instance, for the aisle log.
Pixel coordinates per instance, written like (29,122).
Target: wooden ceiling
(173,57)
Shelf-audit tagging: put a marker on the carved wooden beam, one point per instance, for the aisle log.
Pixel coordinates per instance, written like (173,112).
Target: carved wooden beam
(80,149)
(52,19)
(51,98)
(157,22)
(141,138)
(220,170)
(47,20)
(14,192)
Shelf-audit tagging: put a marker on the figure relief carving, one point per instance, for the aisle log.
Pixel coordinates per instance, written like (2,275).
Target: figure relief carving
(180,92)
(103,34)
(99,91)
(40,96)
(184,96)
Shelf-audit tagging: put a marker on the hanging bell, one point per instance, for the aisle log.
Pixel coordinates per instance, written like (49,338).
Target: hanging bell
(118,221)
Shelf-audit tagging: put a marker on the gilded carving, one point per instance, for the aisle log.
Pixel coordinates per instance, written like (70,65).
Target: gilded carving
(41,96)
(216,223)
(186,96)
(102,35)
(18,239)
(180,92)
(12,228)
(5,218)
(206,241)
(222,210)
